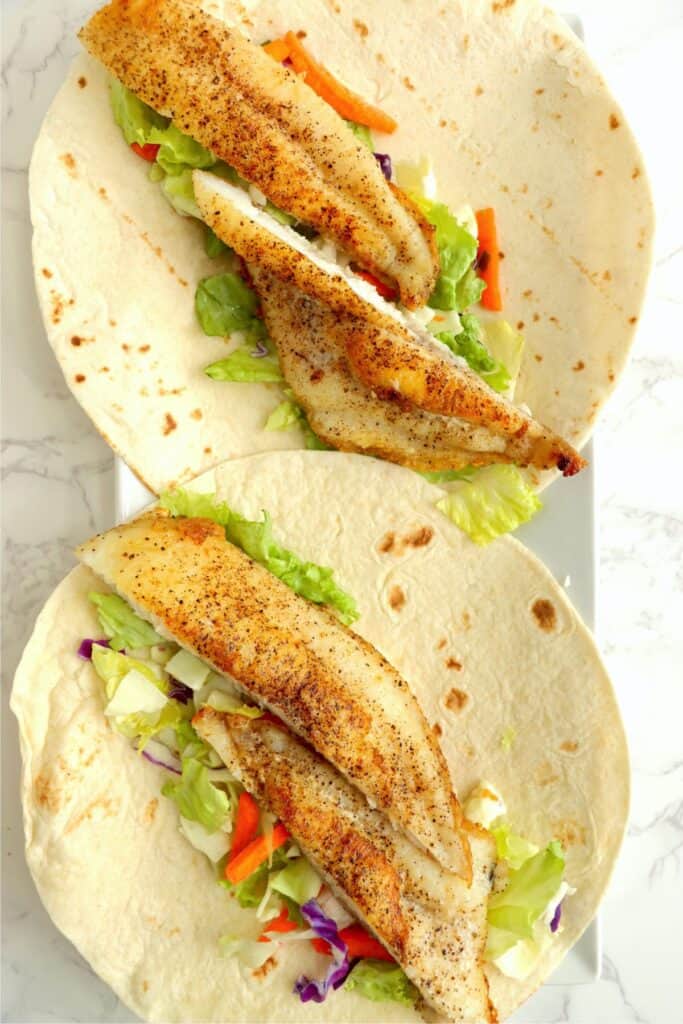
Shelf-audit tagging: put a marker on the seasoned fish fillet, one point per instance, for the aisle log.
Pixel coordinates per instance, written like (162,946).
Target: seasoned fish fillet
(294,657)
(261,118)
(428,919)
(313,345)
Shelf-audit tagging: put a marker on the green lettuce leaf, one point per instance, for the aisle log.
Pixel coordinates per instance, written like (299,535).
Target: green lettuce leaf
(513,912)
(243,367)
(251,891)
(287,415)
(144,727)
(179,190)
(470,346)
(314,582)
(178,151)
(497,501)
(120,623)
(297,881)
(447,476)
(224,303)
(136,120)
(363,134)
(381,982)
(112,666)
(456,286)
(506,346)
(213,245)
(514,849)
(196,798)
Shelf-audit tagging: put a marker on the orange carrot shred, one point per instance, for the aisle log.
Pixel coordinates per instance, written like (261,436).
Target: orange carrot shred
(339,96)
(246,823)
(385,290)
(279,924)
(278,49)
(254,854)
(488,259)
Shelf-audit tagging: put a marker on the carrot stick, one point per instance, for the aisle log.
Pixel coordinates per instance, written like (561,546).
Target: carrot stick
(345,102)
(278,49)
(254,854)
(488,259)
(281,923)
(246,824)
(360,944)
(385,290)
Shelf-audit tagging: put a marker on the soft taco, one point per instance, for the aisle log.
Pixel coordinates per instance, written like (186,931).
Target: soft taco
(309,769)
(239,118)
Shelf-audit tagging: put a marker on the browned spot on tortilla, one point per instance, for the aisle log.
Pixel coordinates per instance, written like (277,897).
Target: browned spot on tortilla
(57,306)
(465,42)
(553,320)
(456,699)
(558,42)
(443,122)
(387,543)
(105,804)
(360,27)
(538,357)
(539,92)
(610,375)
(544,613)
(196,414)
(466,620)
(112,323)
(606,276)
(70,164)
(265,968)
(545,775)
(520,325)
(143,348)
(79,378)
(635,173)
(599,173)
(556,116)
(82,82)
(125,347)
(442,643)
(104,369)
(380,58)
(169,424)
(437,730)
(151,811)
(301,33)
(103,192)
(397,598)
(76,340)
(48,792)
(479,90)
(569,833)
(207,451)
(579,365)
(524,188)
(454,664)
(614,121)
(535,126)
(419,538)
(502,5)
(46,273)
(633,319)
(145,986)
(528,293)
(569,746)
(408,84)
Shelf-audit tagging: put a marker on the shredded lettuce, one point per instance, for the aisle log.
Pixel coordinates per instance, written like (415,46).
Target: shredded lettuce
(496,501)
(112,666)
(297,881)
(214,845)
(457,286)
(447,476)
(314,582)
(135,119)
(197,798)
(510,847)
(247,365)
(363,134)
(224,303)
(213,245)
(514,912)
(287,415)
(506,347)
(225,703)
(250,953)
(188,669)
(179,191)
(381,982)
(178,152)
(469,344)
(120,623)
(142,727)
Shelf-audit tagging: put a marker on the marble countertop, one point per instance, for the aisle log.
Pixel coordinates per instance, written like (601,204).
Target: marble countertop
(58,488)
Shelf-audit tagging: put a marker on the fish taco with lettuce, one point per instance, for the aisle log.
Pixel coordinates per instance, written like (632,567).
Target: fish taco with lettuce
(422,238)
(308,764)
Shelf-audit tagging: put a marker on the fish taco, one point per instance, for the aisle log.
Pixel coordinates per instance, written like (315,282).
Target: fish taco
(279,761)
(312,225)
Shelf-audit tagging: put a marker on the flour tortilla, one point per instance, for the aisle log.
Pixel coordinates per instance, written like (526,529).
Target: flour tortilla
(489,644)
(513,114)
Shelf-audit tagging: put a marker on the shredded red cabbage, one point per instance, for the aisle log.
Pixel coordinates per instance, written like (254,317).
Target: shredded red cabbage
(555,923)
(260,351)
(164,760)
(85,650)
(325,928)
(179,691)
(384,161)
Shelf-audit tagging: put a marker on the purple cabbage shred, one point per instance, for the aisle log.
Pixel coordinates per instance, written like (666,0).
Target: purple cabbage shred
(85,650)
(178,691)
(260,351)
(555,923)
(384,161)
(312,989)
(161,764)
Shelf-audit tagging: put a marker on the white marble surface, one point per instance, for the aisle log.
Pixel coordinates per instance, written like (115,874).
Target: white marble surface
(58,487)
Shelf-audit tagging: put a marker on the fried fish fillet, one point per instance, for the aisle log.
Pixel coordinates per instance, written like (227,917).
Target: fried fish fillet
(229,95)
(313,345)
(428,919)
(331,686)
